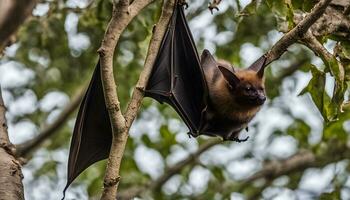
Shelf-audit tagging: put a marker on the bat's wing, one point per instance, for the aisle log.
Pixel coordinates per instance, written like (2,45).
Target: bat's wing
(177,77)
(92,135)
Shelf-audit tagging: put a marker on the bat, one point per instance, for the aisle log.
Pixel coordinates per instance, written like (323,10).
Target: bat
(210,96)
(235,95)
(197,88)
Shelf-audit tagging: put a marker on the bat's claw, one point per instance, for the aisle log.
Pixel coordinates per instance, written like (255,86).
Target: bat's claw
(212,7)
(183,3)
(236,139)
(189,135)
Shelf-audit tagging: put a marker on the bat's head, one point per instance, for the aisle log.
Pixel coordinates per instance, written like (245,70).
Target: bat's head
(247,86)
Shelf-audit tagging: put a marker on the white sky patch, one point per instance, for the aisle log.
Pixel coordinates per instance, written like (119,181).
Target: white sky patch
(41,9)
(240,169)
(244,3)
(283,147)
(237,196)
(25,104)
(177,153)
(316,180)
(276,193)
(149,161)
(330,82)
(52,100)
(330,44)
(317,61)
(172,185)
(51,118)
(78,3)
(14,74)
(78,42)
(71,23)
(21,131)
(198,179)
(223,37)
(249,53)
(148,123)
(266,124)
(11,50)
(221,155)
(301,106)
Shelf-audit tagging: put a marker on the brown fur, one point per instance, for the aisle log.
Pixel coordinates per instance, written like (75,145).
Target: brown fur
(225,103)
(235,95)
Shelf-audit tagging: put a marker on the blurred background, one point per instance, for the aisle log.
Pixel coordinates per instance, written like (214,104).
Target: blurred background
(292,153)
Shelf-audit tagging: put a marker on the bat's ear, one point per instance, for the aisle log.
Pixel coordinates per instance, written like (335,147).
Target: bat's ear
(230,77)
(259,66)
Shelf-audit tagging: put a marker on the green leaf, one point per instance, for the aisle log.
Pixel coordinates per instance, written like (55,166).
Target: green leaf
(316,88)
(332,195)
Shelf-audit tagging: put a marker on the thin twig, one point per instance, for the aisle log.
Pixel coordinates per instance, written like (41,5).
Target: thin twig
(297,32)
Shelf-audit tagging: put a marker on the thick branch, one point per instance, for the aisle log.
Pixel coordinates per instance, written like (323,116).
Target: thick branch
(123,13)
(297,32)
(12,14)
(29,146)
(10,169)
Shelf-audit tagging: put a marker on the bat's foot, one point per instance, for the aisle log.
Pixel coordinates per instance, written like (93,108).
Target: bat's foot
(236,139)
(183,3)
(189,135)
(212,7)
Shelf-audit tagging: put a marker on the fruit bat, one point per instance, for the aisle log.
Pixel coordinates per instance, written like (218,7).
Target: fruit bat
(210,96)
(235,95)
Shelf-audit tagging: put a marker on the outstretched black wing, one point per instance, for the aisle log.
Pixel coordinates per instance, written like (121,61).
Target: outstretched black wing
(177,77)
(92,135)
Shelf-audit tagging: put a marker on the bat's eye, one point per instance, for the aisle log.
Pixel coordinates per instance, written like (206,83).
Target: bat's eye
(248,89)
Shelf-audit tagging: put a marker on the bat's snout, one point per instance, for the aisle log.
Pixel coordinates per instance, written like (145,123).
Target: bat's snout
(261,100)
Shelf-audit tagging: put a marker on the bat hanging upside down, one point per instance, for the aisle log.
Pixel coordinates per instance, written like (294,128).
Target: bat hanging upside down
(235,95)
(211,97)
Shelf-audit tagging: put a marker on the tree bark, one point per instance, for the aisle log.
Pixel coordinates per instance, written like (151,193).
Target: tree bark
(11,187)
(12,14)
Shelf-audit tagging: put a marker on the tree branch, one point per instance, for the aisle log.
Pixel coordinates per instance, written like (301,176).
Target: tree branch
(137,95)
(12,14)
(301,161)
(10,169)
(27,147)
(297,32)
(314,45)
(123,13)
